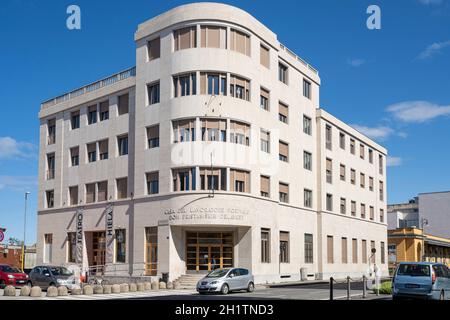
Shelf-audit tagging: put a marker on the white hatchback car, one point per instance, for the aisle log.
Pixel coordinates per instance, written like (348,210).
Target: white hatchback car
(226,280)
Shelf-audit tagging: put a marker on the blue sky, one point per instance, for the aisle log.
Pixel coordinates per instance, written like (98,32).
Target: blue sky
(393,83)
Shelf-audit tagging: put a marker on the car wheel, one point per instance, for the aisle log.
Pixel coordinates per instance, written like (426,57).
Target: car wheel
(225,289)
(250,287)
(442,296)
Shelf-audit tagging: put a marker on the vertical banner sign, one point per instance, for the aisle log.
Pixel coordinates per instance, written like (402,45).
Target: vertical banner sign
(79,235)
(109,228)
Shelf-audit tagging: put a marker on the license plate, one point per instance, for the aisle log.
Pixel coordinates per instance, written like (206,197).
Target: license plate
(411,285)
(202,287)
(20,281)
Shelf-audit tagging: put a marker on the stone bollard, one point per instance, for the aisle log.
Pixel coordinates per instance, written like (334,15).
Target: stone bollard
(25,291)
(162,285)
(176,285)
(62,291)
(52,291)
(107,288)
(155,285)
(115,288)
(9,291)
(133,287)
(147,286)
(140,286)
(124,287)
(36,292)
(88,290)
(169,285)
(76,291)
(98,289)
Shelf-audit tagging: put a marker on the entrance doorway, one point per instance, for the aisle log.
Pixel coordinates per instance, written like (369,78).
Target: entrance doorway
(98,252)
(207,251)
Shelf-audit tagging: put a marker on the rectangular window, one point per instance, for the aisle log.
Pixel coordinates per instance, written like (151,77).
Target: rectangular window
(370,183)
(363,211)
(309,248)
(154,49)
(330,250)
(382,253)
(74,156)
(307,198)
(265,141)
(284,247)
(122,188)
(104,110)
(151,251)
(122,143)
(343,207)
(265,186)
(283,73)
(372,246)
(213,179)
(152,182)
(73,195)
(264,99)
(353,208)
(184,179)
(361,151)
(264,56)
(307,160)
(71,247)
(213,37)
(185,38)
(92,114)
(153,136)
(214,130)
(102,191)
(50,166)
(265,245)
(75,120)
(240,42)
(184,130)
(92,151)
(342,172)
(103,149)
(123,104)
(184,85)
(50,198)
(240,133)
(362,180)
(380,164)
(90,193)
(283,112)
(51,131)
(329,170)
(48,247)
(370,156)
(344,250)
(306,89)
(213,83)
(328,137)
(354,250)
(364,251)
(239,88)
(283,151)
(342,140)
(239,181)
(153,93)
(283,190)
(352,176)
(329,202)
(120,245)
(381,215)
(352,146)
(381,191)
(307,125)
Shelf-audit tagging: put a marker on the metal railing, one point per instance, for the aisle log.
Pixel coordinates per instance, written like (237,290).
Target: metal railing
(131,72)
(348,280)
(296,57)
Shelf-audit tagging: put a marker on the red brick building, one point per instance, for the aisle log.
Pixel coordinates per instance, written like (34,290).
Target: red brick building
(11,255)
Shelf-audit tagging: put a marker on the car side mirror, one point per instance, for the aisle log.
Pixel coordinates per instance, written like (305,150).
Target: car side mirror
(231,275)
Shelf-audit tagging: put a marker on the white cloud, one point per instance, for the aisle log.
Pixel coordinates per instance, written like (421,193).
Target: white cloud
(18,183)
(394,161)
(380,132)
(433,49)
(356,62)
(10,148)
(417,111)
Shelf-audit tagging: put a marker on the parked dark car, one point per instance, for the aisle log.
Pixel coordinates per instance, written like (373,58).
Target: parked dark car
(12,276)
(45,276)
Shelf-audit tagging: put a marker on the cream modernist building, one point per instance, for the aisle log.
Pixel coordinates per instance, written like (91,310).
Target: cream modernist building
(212,152)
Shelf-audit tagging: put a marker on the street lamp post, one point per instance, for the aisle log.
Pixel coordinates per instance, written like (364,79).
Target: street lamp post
(424,223)
(24,230)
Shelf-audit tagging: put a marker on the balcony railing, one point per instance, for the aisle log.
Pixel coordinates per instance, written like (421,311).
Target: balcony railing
(131,72)
(296,57)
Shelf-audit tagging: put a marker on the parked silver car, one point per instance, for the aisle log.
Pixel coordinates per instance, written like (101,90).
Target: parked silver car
(45,276)
(226,280)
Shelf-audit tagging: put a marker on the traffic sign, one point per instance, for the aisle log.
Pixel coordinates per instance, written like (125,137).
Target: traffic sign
(2,236)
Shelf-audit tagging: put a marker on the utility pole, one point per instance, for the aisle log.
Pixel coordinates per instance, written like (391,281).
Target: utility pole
(424,223)
(24,230)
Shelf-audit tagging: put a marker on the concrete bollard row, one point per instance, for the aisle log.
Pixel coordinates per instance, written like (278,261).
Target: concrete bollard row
(124,287)
(147,286)
(115,288)
(155,285)
(36,292)
(140,286)
(169,285)
(97,289)
(9,291)
(162,285)
(107,288)
(25,291)
(88,290)
(133,287)
(52,291)
(63,291)
(76,291)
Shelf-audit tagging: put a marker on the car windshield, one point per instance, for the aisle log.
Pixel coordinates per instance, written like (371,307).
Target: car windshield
(414,270)
(16,270)
(60,271)
(217,273)
(9,269)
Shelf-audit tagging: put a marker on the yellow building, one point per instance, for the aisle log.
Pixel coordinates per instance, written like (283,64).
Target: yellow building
(406,244)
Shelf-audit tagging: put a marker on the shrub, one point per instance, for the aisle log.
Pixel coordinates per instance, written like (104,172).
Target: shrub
(385,288)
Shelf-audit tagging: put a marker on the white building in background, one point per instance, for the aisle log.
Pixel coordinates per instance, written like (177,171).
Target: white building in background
(211,152)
